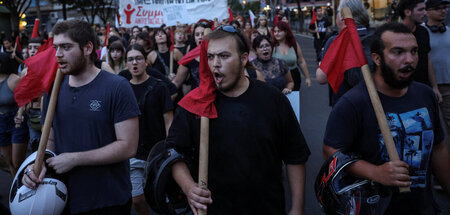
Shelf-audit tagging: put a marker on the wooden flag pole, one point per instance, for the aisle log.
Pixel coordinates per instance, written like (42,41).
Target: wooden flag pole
(203,157)
(378,108)
(171,64)
(317,30)
(47,124)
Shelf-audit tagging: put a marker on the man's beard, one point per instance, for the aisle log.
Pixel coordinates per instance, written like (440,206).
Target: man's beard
(233,84)
(389,76)
(79,65)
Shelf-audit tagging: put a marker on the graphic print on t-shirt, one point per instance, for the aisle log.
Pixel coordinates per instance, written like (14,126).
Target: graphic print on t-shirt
(413,136)
(321,26)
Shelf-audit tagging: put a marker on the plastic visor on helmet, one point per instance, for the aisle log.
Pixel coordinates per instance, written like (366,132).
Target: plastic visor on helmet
(161,192)
(49,198)
(341,193)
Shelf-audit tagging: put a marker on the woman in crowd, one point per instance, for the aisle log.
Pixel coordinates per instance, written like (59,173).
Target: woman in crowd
(115,62)
(251,35)
(132,40)
(263,26)
(275,71)
(180,40)
(192,68)
(284,18)
(160,57)
(197,34)
(247,25)
(143,39)
(289,50)
(154,122)
(13,139)
(241,21)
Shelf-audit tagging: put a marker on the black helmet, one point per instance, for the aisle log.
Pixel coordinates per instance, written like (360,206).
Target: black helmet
(161,191)
(339,192)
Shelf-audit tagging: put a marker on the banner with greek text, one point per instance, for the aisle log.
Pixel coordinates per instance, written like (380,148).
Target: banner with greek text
(154,13)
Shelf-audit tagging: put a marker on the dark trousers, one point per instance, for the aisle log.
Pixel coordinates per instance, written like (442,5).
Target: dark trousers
(318,46)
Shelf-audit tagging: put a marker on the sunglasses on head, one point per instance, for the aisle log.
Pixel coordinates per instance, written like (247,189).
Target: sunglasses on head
(232,29)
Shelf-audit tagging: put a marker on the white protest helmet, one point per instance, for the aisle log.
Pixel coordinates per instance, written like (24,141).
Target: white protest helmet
(49,198)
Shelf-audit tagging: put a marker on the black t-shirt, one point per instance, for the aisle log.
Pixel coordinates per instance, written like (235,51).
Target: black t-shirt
(183,49)
(158,65)
(194,78)
(322,26)
(156,74)
(423,40)
(415,126)
(151,122)
(252,135)
(14,63)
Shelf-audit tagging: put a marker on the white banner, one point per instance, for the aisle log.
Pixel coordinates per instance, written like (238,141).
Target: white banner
(154,13)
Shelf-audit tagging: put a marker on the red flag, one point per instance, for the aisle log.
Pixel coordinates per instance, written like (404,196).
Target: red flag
(345,52)
(313,18)
(200,101)
(18,47)
(188,57)
(35,29)
(40,76)
(47,44)
(231,15)
(275,20)
(105,43)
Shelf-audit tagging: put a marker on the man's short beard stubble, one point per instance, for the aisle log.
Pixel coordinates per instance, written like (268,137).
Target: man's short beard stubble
(233,84)
(79,65)
(389,75)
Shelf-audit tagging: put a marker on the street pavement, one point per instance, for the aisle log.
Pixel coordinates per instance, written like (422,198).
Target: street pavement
(313,117)
(314,111)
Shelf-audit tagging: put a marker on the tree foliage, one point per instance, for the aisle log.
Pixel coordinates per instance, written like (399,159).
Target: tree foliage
(91,8)
(17,8)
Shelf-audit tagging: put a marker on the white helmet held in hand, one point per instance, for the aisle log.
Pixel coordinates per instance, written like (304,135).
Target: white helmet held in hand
(49,198)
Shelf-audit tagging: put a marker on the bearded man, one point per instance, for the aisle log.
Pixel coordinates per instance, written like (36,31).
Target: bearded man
(413,116)
(94,130)
(255,132)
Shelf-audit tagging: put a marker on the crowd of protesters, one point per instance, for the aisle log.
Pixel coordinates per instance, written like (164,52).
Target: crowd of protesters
(145,77)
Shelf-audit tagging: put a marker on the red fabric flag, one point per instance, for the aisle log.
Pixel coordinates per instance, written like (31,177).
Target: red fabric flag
(18,46)
(47,44)
(231,15)
(40,76)
(200,101)
(188,57)
(313,18)
(35,29)
(105,43)
(275,20)
(345,52)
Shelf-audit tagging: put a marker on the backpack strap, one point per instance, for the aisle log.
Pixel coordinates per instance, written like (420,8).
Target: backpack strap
(295,49)
(166,68)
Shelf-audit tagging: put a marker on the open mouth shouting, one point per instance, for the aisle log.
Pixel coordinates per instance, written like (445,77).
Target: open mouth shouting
(265,54)
(218,77)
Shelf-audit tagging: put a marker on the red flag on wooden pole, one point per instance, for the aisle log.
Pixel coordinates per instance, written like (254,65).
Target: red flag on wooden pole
(105,43)
(345,52)
(313,18)
(231,15)
(35,29)
(200,100)
(40,76)
(17,46)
